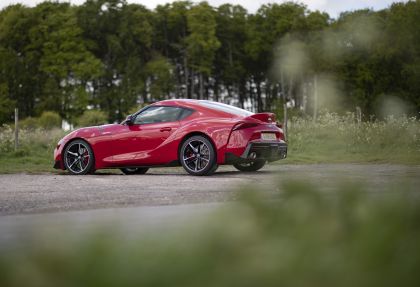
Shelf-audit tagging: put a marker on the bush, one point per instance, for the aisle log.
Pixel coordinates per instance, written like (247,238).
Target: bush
(92,118)
(29,123)
(49,120)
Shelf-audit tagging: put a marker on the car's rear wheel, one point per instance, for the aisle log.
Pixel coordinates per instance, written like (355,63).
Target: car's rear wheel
(198,156)
(79,158)
(250,166)
(134,170)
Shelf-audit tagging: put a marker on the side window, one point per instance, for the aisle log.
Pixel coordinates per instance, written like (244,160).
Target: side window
(185,113)
(157,114)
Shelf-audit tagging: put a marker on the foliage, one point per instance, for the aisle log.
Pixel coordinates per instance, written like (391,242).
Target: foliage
(348,237)
(111,55)
(29,123)
(49,120)
(36,147)
(91,118)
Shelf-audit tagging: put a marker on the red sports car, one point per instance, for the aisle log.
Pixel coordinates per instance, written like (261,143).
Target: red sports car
(197,134)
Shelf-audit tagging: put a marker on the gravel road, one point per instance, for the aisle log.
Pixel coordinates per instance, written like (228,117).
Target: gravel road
(46,193)
(53,207)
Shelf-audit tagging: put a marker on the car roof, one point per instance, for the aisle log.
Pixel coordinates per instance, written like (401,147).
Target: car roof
(179,102)
(206,106)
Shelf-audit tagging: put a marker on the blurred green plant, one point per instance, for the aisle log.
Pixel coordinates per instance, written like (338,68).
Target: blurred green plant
(92,118)
(49,120)
(29,123)
(344,238)
(36,146)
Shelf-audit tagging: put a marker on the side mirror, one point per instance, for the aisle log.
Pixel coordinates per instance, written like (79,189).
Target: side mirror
(129,120)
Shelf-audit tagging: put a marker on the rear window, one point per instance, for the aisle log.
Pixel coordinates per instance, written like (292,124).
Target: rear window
(225,108)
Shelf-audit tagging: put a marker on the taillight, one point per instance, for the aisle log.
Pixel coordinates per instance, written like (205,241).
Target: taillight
(241,126)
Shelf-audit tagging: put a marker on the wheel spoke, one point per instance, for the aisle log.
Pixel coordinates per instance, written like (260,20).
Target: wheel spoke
(76,160)
(192,147)
(80,165)
(189,158)
(196,165)
(72,153)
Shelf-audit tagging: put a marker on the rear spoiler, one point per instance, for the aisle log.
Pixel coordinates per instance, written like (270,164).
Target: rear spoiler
(256,119)
(263,117)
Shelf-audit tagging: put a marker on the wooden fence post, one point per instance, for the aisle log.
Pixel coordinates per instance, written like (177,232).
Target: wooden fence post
(16,129)
(315,97)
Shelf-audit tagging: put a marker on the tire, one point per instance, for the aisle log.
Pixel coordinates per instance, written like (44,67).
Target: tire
(78,158)
(250,166)
(137,170)
(198,156)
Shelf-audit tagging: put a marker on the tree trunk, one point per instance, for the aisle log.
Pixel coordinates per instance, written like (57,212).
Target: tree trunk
(192,85)
(216,89)
(241,93)
(201,96)
(259,99)
(186,76)
(315,97)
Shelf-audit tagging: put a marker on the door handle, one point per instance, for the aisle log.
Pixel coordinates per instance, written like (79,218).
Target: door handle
(167,129)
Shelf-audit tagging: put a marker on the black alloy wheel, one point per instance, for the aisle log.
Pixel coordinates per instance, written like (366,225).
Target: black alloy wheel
(198,156)
(78,158)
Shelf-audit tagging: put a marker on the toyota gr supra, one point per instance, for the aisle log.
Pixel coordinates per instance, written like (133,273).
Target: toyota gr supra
(197,134)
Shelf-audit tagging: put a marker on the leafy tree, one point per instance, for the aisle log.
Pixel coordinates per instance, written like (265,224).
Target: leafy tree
(160,75)
(202,42)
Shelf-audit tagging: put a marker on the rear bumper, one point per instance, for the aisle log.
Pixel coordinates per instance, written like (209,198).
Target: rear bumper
(269,151)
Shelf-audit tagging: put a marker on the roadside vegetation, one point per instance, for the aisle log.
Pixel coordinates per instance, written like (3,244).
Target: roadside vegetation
(347,237)
(335,138)
(35,152)
(331,139)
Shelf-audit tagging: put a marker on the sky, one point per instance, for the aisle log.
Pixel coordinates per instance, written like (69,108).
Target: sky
(333,7)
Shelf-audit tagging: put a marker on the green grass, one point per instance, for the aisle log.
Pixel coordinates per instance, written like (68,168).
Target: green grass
(35,153)
(331,139)
(338,139)
(306,238)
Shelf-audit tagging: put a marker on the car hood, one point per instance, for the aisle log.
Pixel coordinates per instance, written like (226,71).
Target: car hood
(94,131)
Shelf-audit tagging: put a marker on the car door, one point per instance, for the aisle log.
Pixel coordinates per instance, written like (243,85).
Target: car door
(150,128)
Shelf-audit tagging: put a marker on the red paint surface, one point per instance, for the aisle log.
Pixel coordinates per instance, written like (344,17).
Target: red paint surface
(119,145)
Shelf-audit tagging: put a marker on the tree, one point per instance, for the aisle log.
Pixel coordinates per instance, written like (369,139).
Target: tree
(202,42)
(160,77)
(66,62)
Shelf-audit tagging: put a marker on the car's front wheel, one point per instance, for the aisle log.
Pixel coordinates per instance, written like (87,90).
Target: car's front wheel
(137,170)
(79,158)
(198,156)
(250,166)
